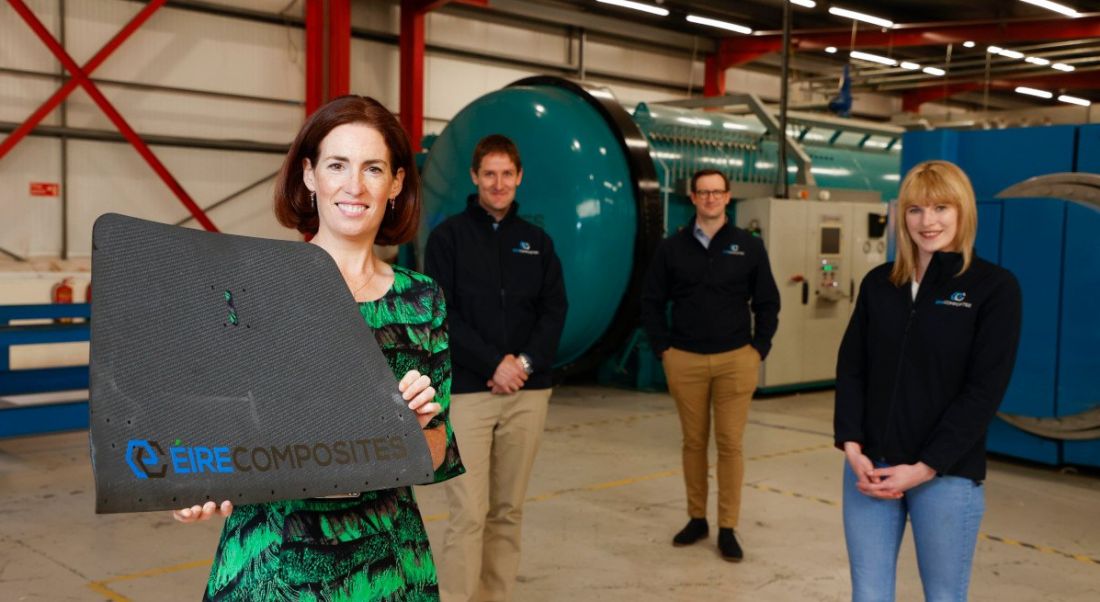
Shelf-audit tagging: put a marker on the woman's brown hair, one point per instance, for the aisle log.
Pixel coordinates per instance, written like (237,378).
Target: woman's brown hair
(293,207)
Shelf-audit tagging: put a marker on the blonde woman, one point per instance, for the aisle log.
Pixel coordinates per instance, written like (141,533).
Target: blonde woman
(922,368)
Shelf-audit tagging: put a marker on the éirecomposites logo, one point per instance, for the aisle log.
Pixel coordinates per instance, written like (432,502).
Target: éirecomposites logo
(148,460)
(524,248)
(733,250)
(956,299)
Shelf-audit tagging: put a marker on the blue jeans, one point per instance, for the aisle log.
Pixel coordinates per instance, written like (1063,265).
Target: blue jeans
(945,512)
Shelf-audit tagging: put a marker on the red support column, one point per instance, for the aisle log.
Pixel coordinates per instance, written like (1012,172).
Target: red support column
(315,55)
(411,45)
(714,77)
(339,48)
(411,104)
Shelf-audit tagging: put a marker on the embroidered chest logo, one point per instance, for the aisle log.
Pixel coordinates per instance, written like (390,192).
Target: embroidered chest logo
(524,248)
(733,250)
(956,299)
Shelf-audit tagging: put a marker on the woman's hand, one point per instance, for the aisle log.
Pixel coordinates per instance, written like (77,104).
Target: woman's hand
(197,513)
(864,469)
(894,481)
(416,388)
(861,465)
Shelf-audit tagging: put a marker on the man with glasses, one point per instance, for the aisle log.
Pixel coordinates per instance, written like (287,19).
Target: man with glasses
(725,310)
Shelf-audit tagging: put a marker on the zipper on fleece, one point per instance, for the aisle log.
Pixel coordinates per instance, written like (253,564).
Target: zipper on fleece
(897,374)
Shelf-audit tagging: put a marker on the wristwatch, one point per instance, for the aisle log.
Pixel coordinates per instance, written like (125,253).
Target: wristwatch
(526,361)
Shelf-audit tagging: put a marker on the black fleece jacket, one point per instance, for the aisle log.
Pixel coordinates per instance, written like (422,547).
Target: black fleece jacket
(920,381)
(505,294)
(711,290)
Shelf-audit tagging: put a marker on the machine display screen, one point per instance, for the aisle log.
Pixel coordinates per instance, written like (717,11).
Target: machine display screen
(830,241)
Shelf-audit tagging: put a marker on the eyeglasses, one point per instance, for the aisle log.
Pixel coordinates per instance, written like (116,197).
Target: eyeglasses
(715,194)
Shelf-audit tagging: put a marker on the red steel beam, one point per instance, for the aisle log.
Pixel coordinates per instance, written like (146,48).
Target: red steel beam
(740,50)
(315,55)
(109,110)
(714,77)
(339,48)
(328,51)
(411,46)
(63,92)
(913,99)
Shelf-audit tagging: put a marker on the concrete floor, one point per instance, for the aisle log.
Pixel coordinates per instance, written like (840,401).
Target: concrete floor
(605,500)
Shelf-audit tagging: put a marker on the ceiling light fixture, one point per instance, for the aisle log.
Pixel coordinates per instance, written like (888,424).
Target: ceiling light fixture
(851,14)
(1012,54)
(994,49)
(645,8)
(1062,67)
(910,66)
(934,71)
(719,24)
(1054,6)
(1033,92)
(872,58)
(830,49)
(806,3)
(1035,60)
(1073,100)
(968,44)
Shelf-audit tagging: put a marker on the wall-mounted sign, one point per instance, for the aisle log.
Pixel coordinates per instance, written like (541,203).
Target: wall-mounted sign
(45,189)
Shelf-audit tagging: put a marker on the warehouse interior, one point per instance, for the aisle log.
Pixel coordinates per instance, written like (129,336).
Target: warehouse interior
(181,111)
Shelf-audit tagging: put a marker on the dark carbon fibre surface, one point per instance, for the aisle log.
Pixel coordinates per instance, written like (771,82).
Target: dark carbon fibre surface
(298,374)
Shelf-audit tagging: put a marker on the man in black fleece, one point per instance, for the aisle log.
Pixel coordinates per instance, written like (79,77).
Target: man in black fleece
(713,273)
(505,312)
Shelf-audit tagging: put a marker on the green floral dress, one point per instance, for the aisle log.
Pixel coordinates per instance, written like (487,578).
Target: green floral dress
(371,548)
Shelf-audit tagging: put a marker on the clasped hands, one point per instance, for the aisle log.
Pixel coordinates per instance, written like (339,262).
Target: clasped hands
(889,483)
(509,376)
(415,388)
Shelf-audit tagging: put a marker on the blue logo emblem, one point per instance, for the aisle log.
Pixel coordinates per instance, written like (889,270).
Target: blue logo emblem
(956,299)
(524,248)
(141,455)
(733,250)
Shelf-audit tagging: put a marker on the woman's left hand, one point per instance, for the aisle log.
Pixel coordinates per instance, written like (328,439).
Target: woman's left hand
(893,481)
(416,388)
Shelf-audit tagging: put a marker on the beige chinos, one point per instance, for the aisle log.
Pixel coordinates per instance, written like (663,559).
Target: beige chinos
(722,383)
(499,436)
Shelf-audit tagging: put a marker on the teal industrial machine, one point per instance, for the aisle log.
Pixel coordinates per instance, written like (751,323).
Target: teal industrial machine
(608,185)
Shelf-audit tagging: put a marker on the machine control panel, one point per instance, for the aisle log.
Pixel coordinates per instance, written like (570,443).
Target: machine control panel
(828,276)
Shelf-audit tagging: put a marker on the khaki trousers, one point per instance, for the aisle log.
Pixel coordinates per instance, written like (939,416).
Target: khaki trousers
(724,382)
(499,436)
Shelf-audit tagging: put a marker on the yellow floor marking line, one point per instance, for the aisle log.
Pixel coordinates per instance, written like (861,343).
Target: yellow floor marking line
(792,452)
(770,489)
(607,421)
(986,536)
(100,587)
(1040,548)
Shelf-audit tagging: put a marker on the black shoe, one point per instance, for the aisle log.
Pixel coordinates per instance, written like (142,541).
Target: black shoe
(695,530)
(727,544)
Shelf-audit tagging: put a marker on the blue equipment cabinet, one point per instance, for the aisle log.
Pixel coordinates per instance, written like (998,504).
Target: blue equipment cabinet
(1049,244)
